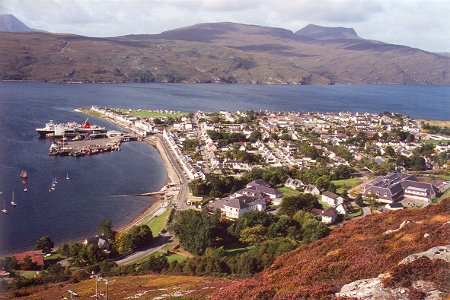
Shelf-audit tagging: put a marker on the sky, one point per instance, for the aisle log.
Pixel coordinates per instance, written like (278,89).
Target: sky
(423,24)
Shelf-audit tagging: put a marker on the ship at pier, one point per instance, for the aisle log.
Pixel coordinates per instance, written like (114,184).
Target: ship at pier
(52,129)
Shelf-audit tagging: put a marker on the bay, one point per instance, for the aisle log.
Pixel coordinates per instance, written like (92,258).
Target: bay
(99,184)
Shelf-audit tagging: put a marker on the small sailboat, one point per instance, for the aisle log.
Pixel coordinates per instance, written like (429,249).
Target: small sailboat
(25,189)
(13,203)
(67,176)
(4,207)
(54,180)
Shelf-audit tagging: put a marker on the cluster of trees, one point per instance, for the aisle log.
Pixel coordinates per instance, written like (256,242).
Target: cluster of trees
(215,186)
(81,254)
(244,156)
(218,186)
(435,129)
(225,138)
(137,237)
(190,145)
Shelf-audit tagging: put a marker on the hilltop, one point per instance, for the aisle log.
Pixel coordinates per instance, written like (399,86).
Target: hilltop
(219,53)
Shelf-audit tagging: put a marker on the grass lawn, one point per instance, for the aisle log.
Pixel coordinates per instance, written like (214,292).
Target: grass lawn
(443,176)
(91,112)
(237,251)
(347,183)
(324,205)
(357,213)
(156,224)
(53,256)
(289,192)
(27,274)
(167,247)
(151,113)
(435,142)
(445,195)
(176,257)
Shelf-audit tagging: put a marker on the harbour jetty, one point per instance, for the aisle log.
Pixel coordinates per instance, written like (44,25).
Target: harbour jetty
(84,147)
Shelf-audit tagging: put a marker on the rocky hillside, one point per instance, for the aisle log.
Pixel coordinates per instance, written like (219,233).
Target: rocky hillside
(219,52)
(372,258)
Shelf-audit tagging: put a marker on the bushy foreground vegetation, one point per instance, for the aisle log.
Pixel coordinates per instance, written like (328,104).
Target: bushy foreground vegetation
(356,250)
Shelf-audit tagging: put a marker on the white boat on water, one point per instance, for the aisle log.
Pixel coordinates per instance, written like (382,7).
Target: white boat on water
(67,176)
(4,206)
(13,202)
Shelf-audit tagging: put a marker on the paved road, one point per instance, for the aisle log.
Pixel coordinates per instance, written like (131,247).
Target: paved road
(180,201)
(156,245)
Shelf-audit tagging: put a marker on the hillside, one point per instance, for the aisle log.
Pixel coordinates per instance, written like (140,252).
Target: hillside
(361,249)
(357,250)
(219,52)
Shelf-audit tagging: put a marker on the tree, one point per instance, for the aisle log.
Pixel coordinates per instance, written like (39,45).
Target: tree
(137,237)
(28,264)
(45,244)
(389,151)
(342,172)
(291,204)
(418,163)
(196,229)
(312,229)
(359,200)
(254,136)
(9,263)
(105,228)
(253,235)
(190,145)
(251,219)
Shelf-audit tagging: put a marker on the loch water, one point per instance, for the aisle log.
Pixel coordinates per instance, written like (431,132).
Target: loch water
(99,185)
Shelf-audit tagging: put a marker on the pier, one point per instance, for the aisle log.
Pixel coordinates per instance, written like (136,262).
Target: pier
(87,146)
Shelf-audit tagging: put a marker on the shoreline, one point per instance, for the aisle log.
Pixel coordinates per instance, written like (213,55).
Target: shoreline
(160,195)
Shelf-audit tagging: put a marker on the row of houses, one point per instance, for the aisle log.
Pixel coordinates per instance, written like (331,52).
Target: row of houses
(185,162)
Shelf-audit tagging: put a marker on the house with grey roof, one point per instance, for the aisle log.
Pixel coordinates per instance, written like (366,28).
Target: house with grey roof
(395,186)
(236,207)
(264,188)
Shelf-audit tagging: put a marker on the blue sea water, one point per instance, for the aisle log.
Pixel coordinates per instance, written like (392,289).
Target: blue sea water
(99,184)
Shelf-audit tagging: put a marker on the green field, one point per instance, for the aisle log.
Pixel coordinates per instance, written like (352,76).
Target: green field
(91,112)
(289,192)
(347,183)
(156,224)
(151,113)
(176,257)
(435,142)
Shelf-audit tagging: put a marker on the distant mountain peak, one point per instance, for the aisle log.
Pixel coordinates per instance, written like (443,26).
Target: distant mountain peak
(9,23)
(327,33)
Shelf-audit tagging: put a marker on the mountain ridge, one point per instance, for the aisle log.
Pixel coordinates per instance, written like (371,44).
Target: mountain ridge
(223,52)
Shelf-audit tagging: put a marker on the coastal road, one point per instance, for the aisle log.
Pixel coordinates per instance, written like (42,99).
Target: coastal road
(180,201)
(156,245)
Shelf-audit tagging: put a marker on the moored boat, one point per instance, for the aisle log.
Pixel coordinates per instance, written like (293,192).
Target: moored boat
(23,174)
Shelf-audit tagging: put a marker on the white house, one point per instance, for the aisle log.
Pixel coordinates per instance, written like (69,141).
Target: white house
(331,199)
(234,208)
(329,215)
(312,189)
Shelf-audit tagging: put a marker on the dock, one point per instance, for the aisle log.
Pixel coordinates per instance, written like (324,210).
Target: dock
(87,146)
